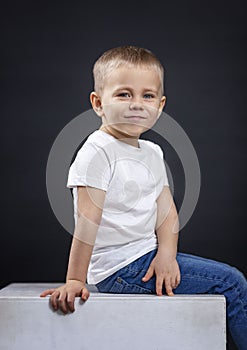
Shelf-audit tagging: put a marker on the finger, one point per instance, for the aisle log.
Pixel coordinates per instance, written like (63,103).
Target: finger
(173,282)
(62,302)
(159,284)
(178,280)
(85,294)
(47,292)
(54,299)
(168,287)
(71,301)
(148,274)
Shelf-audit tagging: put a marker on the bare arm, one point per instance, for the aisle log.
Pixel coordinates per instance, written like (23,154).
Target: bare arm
(167,224)
(164,265)
(89,213)
(90,206)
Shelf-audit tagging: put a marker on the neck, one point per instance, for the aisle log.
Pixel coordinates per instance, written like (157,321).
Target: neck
(130,140)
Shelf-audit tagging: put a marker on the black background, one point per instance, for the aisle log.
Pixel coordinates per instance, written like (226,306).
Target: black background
(48,50)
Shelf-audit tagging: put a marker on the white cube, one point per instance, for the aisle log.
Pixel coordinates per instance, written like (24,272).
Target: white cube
(111,321)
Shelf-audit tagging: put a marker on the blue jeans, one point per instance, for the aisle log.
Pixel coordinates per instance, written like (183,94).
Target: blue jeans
(198,276)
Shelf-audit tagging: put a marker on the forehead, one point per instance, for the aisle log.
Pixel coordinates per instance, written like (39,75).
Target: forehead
(135,77)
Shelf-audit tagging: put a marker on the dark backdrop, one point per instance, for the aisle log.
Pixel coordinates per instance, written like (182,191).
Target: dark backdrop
(48,50)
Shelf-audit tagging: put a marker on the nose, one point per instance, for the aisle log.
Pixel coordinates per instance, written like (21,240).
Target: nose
(135,104)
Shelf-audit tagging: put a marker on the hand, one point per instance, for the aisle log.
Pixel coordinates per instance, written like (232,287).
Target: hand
(167,272)
(63,297)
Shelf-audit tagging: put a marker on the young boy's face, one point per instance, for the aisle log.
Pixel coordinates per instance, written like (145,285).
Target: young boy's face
(131,101)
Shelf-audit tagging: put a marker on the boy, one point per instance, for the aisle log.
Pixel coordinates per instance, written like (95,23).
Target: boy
(126,223)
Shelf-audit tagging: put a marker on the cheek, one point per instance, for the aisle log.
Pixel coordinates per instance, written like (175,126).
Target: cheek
(115,109)
(153,110)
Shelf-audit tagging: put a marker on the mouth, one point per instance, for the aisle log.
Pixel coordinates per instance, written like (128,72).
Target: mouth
(135,117)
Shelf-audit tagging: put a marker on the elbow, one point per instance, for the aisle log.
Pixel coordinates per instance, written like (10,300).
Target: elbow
(89,217)
(169,223)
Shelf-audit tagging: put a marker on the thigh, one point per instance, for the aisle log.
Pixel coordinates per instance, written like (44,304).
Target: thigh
(201,275)
(198,275)
(129,278)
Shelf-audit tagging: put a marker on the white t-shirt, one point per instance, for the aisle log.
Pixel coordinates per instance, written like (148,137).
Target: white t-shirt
(133,178)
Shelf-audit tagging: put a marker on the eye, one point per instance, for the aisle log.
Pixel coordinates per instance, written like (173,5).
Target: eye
(124,94)
(148,96)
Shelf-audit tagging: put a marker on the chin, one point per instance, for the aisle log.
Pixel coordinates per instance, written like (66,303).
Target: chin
(133,134)
(134,131)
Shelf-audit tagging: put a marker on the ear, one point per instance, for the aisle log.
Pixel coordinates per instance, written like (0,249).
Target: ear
(96,103)
(161,105)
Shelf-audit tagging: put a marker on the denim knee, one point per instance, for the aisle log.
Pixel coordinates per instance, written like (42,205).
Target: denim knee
(235,277)
(239,277)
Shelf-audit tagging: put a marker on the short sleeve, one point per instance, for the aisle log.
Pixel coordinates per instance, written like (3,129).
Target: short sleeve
(91,167)
(164,172)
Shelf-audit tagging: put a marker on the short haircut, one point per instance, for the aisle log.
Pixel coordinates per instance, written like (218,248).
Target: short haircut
(125,55)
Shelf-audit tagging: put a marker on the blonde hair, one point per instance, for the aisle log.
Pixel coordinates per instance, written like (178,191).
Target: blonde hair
(124,55)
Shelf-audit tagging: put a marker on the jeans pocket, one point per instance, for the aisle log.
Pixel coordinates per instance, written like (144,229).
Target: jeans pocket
(122,287)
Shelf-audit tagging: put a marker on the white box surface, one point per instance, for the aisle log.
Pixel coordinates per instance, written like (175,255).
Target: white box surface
(111,321)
